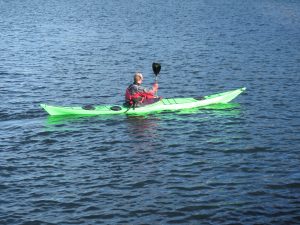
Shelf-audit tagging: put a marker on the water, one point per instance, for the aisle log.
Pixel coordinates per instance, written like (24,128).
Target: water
(239,164)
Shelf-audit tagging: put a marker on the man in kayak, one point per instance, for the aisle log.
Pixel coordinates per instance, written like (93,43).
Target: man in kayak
(136,95)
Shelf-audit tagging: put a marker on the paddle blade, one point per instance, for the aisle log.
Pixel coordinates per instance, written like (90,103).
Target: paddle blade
(156,68)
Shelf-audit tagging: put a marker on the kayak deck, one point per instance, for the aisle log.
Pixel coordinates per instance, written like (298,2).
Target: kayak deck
(167,104)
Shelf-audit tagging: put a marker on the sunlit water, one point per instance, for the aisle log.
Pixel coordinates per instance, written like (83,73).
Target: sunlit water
(236,163)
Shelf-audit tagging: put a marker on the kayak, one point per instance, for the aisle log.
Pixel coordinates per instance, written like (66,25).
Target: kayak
(164,104)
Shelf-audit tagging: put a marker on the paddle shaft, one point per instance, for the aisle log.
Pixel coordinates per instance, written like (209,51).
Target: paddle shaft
(156,69)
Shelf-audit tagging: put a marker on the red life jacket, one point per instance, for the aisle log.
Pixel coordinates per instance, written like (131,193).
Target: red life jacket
(137,97)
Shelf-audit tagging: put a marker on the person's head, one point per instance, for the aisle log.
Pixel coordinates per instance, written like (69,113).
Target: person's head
(138,78)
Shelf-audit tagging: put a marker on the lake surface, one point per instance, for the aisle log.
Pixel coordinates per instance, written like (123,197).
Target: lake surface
(236,165)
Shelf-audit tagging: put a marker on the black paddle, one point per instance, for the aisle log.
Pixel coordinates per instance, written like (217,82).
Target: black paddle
(156,69)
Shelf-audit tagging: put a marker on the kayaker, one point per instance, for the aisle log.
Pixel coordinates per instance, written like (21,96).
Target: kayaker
(137,95)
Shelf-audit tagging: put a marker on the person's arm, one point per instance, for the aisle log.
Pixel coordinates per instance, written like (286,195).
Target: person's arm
(151,90)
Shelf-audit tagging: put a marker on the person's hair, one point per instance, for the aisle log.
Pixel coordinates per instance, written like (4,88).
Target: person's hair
(137,77)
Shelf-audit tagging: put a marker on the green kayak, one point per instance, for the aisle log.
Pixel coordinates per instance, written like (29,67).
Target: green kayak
(166,104)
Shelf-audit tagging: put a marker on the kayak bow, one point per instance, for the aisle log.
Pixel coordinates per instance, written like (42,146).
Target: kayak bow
(167,104)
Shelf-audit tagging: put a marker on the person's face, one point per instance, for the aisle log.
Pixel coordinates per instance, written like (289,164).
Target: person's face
(140,81)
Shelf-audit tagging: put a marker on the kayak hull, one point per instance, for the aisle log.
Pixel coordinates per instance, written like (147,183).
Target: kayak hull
(168,104)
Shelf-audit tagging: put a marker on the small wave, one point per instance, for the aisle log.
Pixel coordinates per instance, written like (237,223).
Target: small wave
(142,184)
(250,150)
(49,141)
(193,188)
(100,216)
(37,222)
(257,193)
(198,207)
(283,186)
(91,208)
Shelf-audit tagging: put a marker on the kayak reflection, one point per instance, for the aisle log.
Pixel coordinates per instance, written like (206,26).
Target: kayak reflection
(142,127)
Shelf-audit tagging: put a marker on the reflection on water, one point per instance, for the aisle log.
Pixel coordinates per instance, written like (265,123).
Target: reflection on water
(142,126)
(149,132)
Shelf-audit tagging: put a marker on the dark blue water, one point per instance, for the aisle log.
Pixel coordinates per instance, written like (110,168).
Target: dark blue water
(238,165)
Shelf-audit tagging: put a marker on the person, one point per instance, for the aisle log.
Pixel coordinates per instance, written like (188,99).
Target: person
(137,95)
